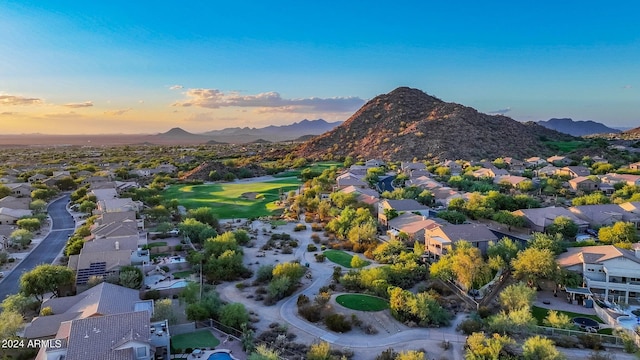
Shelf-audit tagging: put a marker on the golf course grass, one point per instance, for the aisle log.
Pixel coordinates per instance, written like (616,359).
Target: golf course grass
(341,258)
(233,200)
(193,340)
(362,302)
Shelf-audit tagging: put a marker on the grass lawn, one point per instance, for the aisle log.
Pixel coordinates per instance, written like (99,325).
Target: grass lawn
(182,274)
(541,313)
(566,146)
(196,339)
(341,258)
(316,167)
(227,200)
(156,244)
(362,302)
(607,331)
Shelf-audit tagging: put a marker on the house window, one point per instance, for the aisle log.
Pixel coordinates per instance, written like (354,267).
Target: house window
(141,352)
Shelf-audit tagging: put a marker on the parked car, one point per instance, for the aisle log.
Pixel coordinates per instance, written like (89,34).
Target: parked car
(592,232)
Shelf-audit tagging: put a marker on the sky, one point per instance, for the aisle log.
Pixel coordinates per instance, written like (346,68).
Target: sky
(71,67)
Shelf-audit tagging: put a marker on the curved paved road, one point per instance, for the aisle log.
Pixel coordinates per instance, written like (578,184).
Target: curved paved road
(48,249)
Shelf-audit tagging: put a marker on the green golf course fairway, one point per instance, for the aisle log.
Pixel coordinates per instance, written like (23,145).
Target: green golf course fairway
(362,302)
(233,200)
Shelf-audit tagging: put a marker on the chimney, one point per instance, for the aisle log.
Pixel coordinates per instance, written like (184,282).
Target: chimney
(117,245)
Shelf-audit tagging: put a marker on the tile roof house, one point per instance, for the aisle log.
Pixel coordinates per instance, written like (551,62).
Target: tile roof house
(20,189)
(559,160)
(102,299)
(440,240)
(634,166)
(534,161)
(491,172)
(104,194)
(411,224)
(118,205)
(583,183)
(605,214)
(606,270)
(10,216)
(125,336)
(12,202)
(631,206)
(349,179)
(538,219)
(627,179)
(511,180)
(546,171)
(453,166)
(406,205)
(574,171)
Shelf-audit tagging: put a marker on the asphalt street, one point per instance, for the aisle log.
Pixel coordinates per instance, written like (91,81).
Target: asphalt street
(48,249)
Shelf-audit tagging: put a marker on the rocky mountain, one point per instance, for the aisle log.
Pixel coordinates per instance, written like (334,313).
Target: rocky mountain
(408,123)
(273,133)
(577,128)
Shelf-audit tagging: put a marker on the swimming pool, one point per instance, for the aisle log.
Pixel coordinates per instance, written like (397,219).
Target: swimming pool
(221,355)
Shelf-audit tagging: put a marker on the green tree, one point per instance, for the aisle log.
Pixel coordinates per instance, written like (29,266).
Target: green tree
(262,352)
(30,224)
(533,264)
(357,262)
(44,279)
(620,232)
(517,296)
(565,226)
(10,324)
(38,205)
(363,233)
(452,216)
(163,309)
(234,315)
(130,277)
(516,321)
(558,320)
(410,355)
(319,351)
(19,303)
(21,237)
(595,198)
(506,250)
(540,348)
(87,206)
(292,270)
(479,347)
(205,215)
(550,242)
(4,191)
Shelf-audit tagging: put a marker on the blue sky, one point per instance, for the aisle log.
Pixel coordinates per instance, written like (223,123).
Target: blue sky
(147,66)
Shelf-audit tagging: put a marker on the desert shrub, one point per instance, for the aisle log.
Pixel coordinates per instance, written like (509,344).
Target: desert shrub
(566,341)
(151,295)
(312,248)
(316,227)
(337,323)
(311,313)
(315,238)
(320,257)
(165,268)
(302,300)
(590,341)
(300,227)
(355,321)
(287,250)
(441,288)
(484,312)
(469,326)
(293,243)
(323,298)
(264,273)
(261,290)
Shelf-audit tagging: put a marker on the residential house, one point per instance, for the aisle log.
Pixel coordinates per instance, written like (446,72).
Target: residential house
(120,204)
(583,183)
(599,159)
(559,160)
(10,216)
(166,168)
(412,225)
(454,167)
(534,162)
(122,186)
(13,202)
(604,215)
(632,207)
(349,179)
(626,179)
(490,172)
(104,194)
(399,206)
(374,163)
(515,166)
(511,180)
(94,181)
(573,171)
(423,182)
(107,223)
(20,189)
(440,240)
(5,233)
(409,167)
(102,299)
(103,258)
(546,171)
(539,219)
(444,195)
(634,166)
(124,336)
(606,270)
(37,178)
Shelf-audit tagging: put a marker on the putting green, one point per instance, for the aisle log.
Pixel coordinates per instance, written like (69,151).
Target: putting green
(362,302)
(230,200)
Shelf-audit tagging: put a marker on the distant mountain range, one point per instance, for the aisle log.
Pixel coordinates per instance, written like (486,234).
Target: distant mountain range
(299,130)
(577,128)
(408,123)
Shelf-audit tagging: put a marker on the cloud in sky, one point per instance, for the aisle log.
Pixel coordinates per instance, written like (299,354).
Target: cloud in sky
(9,100)
(117,112)
(627,87)
(79,105)
(175,87)
(215,99)
(500,111)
